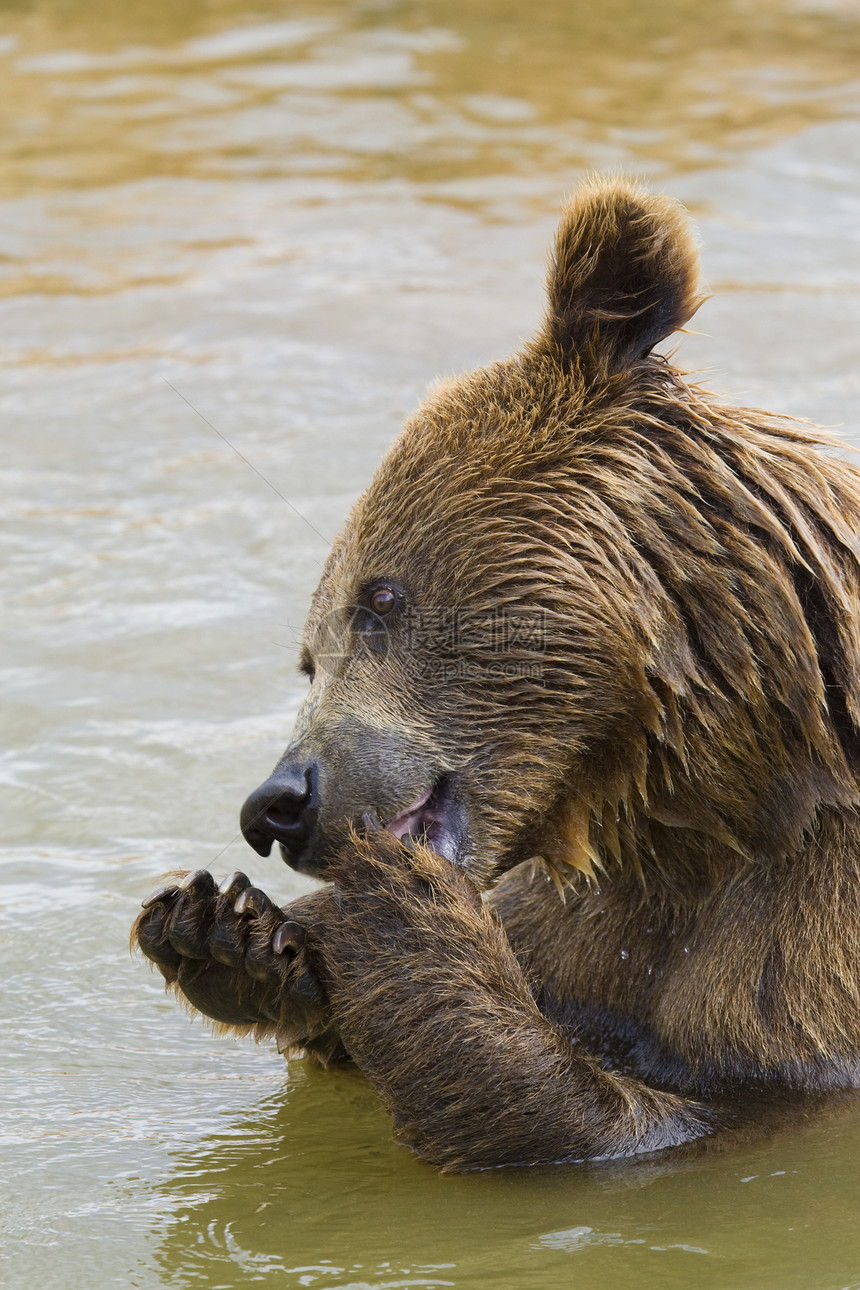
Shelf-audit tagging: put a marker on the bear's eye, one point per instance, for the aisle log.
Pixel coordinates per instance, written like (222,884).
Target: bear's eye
(383,601)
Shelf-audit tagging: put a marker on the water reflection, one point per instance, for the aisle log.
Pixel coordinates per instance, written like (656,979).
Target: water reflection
(311,1190)
(433,91)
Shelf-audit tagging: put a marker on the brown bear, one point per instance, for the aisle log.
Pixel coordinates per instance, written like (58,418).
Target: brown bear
(579,760)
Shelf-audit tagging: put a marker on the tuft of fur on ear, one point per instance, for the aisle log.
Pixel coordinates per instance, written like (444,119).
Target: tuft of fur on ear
(624,274)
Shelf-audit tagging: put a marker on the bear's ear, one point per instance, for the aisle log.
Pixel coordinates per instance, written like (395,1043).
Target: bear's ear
(624,274)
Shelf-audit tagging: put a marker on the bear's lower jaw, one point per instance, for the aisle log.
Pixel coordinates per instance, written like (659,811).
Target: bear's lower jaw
(435,819)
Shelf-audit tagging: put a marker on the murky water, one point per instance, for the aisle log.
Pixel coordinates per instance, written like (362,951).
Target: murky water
(236,243)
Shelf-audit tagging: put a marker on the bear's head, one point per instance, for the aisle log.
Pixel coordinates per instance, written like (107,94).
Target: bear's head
(532,600)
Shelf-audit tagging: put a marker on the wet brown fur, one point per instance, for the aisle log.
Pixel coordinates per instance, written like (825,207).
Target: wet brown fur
(684,763)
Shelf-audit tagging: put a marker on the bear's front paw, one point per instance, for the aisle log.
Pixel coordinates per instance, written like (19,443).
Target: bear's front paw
(375,862)
(235,956)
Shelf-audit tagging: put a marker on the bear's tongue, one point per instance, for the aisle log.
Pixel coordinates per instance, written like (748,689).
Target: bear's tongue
(408,823)
(427,820)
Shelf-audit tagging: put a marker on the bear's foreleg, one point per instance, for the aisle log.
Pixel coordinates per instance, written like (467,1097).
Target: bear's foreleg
(435,1010)
(230,953)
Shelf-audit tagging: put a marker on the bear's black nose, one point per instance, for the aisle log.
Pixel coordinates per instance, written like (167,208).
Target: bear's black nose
(280,810)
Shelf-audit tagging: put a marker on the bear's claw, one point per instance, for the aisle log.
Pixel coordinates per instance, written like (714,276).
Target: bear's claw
(199,881)
(158,895)
(254,899)
(289,936)
(234,883)
(234,956)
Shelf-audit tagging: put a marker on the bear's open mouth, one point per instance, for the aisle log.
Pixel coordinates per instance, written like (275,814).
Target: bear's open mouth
(432,819)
